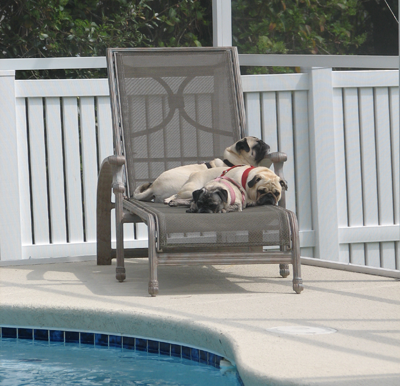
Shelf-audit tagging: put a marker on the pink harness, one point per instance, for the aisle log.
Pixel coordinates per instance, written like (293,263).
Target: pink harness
(231,190)
(223,177)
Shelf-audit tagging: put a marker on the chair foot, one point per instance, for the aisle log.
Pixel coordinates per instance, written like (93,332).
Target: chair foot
(298,285)
(104,261)
(284,270)
(153,287)
(120,274)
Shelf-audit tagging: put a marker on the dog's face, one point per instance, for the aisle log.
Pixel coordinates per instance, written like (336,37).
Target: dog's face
(209,201)
(247,151)
(265,187)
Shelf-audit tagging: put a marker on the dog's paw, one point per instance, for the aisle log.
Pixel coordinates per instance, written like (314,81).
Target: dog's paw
(180,202)
(169,199)
(192,210)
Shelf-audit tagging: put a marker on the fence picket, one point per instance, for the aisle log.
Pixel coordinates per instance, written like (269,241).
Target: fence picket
(268,119)
(384,167)
(89,164)
(353,168)
(340,165)
(395,141)
(285,139)
(302,165)
(38,171)
(104,131)
(55,170)
(368,171)
(72,169)
(253,119)
(25,194)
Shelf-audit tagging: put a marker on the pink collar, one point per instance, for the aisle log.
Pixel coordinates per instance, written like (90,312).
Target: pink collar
(231,190)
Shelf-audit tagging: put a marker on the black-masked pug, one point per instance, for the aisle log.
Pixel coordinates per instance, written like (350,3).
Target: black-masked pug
(220,195)
(196,181)
(247,151)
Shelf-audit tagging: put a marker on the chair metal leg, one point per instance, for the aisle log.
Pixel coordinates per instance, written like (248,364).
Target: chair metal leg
(104,207)
(297,280)
(115,166)
(120,270)
(153,280)
(284,270)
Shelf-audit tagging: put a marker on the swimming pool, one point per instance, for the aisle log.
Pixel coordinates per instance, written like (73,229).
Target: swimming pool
(50,356)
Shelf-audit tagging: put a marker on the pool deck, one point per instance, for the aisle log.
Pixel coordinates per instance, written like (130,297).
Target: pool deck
(229,310)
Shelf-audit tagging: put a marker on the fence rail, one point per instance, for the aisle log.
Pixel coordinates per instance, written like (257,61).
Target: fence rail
(307,61)
(339,129)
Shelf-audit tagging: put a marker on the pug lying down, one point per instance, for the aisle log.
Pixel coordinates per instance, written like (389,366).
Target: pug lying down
(220,195)
(233,190)
(247,151)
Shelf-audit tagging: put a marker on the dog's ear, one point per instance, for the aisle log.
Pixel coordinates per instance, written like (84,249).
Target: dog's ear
(196,194)
(253,181)
(242,145)
(283,184)
(223,194)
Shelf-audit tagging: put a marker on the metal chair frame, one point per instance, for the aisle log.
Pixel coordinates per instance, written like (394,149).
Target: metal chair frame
(112,174)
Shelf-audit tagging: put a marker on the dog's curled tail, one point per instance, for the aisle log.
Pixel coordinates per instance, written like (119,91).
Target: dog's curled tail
(143,192)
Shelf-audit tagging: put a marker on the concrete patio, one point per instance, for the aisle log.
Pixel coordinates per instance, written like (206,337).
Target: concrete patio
(227,309)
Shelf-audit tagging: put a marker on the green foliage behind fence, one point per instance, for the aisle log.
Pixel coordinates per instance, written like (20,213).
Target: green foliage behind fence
(65,28)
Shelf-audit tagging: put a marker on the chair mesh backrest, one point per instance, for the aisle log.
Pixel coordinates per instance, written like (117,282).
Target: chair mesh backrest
(175,107)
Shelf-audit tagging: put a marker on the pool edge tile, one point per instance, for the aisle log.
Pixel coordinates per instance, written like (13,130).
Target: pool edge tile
(106,340)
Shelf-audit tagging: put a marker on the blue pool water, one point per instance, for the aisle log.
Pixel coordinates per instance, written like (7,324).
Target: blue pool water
(30,362)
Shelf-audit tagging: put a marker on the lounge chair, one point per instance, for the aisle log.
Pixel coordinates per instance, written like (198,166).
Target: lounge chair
(172,107)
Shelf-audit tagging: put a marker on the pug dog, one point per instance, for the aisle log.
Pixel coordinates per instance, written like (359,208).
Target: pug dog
(220,195)
(262,185)
(196,181)
(247,151)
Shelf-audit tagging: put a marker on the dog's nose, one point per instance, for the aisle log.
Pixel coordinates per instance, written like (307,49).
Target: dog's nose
(266,199)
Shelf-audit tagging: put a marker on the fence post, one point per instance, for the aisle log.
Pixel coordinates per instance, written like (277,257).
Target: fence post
(322,160)
(10,219)
(222,23)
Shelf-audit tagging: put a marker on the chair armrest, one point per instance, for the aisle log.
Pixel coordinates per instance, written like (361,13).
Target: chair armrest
(110,175)
(117,163)
(277,158)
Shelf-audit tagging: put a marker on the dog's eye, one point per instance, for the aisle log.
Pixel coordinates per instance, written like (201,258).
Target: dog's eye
(276,193)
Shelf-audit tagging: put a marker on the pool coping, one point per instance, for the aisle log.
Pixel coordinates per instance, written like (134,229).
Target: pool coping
(97,339)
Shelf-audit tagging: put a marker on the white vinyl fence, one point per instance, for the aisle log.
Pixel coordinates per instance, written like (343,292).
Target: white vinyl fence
(340,131)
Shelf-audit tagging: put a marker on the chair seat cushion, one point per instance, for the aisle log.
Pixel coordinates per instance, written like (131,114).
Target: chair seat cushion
(255,226)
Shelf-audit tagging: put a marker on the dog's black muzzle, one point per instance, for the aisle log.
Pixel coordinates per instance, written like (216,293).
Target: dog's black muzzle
(262,149)
(266,199)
